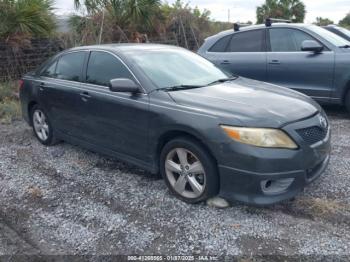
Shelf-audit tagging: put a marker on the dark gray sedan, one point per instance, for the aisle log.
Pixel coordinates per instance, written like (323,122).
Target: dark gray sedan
(171,111)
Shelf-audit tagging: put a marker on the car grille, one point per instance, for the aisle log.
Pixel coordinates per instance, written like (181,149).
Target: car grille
(313,134)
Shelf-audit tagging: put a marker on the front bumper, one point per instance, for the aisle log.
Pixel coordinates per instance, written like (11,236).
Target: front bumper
(242,180)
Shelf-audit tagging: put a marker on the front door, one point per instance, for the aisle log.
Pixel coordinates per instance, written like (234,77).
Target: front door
(113,120)
(288,66)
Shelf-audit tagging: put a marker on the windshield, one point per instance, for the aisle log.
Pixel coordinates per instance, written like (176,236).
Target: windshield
(175,67)
(343,30)
(329,36)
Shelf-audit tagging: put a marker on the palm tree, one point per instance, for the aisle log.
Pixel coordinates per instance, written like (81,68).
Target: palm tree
(31,18)
(126,14)
(284,9)
(91,5)
(141,12)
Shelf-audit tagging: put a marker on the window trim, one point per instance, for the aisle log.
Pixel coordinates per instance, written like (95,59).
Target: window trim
(83,75)
(118,58)
(82,68)
(224,51)
(56,60)
(268,41)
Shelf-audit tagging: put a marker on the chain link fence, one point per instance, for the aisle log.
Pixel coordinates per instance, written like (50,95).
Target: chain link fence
(17,59)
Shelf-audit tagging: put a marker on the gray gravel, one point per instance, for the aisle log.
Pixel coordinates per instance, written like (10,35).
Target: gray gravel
(66,200)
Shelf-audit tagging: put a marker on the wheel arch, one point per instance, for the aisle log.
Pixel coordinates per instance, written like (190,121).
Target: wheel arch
(345,92)
(176,133)
(31,104)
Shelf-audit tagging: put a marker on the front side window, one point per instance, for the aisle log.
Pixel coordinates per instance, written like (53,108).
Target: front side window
(102,67)
(69,66)
(221,44)
(287,40)
(250,41)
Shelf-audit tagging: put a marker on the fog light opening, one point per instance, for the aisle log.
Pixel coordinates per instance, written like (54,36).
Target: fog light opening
(277,186)
(268,184)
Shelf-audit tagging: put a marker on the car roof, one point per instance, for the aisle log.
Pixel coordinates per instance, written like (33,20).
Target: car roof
(262,26)
(125,47)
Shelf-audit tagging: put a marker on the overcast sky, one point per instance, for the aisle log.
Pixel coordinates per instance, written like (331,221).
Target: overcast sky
(244,10)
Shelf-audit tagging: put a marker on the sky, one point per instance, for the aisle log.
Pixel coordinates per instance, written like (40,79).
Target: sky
(244,10)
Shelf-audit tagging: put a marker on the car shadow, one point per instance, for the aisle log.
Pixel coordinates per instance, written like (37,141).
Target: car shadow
(336,111)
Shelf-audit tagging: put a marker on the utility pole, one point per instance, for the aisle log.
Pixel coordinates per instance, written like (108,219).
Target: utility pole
(228,15)
(101,29)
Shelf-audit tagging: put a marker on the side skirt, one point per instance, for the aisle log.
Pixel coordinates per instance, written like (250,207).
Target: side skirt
(150,167)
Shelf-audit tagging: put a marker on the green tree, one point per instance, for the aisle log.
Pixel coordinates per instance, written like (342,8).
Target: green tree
(140,13)
(284,9)
(90,5)
(30,18)
(345,21)
(124,13)
(320,21)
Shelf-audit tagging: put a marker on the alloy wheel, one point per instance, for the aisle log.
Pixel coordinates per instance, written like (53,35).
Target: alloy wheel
(41,126)
(185,173)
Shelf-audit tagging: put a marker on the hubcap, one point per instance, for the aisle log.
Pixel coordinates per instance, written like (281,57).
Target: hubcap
(185,173)
(41,126)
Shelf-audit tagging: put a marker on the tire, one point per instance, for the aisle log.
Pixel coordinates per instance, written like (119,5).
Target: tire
(42,129)
(347,101)
(192,179)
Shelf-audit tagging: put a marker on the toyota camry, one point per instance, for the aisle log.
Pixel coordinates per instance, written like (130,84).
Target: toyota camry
(170,111)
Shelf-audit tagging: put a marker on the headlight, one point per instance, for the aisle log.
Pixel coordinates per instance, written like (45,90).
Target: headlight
(262,137)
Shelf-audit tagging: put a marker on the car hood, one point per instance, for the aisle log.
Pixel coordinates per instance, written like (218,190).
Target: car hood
(248,103)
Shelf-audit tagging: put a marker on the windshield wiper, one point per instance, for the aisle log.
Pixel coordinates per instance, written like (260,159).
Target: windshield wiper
(222,80)
(180,87)
(345,46)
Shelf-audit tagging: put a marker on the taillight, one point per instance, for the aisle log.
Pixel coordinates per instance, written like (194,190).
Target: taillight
(21,84)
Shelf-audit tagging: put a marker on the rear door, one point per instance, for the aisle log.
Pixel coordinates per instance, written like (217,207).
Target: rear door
(307,72)
(242,53)
(60,85)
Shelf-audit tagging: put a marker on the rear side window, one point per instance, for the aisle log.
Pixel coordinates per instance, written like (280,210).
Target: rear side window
(250,41)
(221,44)
(287,40)
(103,67)
(69,66)
(50,71)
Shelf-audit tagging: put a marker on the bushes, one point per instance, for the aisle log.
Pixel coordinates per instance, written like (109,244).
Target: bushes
(9,104)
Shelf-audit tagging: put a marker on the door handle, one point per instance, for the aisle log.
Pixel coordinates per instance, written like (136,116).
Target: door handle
(85,96)
(274,62)
(225,62)
(41,86)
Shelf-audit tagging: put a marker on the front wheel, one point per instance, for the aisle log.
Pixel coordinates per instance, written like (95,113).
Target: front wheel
(189,170)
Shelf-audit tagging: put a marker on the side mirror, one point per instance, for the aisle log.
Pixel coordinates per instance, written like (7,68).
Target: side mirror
(123,85)
(311,46)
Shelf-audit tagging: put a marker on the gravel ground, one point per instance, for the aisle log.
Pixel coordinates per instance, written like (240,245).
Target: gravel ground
(66,200)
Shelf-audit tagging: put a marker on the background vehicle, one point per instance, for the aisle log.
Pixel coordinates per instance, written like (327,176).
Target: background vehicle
(168,110)
(338,30)
(306,58)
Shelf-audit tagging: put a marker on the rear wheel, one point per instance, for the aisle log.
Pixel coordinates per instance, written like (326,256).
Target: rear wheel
(188,170)
(42,127)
